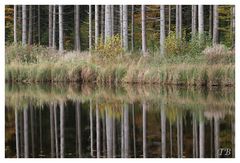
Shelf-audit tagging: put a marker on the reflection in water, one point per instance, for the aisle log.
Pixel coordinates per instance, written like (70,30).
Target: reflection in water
(73,121)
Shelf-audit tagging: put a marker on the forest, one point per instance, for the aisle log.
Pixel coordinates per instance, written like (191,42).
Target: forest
(168,44)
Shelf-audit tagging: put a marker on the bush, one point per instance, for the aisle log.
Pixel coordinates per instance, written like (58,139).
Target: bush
(218,54)
(110,50)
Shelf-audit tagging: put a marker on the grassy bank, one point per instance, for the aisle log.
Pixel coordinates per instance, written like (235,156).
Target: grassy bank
(48,66)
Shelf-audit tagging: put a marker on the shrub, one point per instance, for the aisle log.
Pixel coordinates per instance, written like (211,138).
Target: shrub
(218,54)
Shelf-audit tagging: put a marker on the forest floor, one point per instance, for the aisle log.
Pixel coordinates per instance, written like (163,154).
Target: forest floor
(43,65)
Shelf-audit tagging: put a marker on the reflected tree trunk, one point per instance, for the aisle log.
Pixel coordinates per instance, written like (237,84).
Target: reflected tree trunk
(126,131)
(21,131)
(56,128)
(40,126)
(180,134)
(25,117)
(98,132)
(114,136)
(61,129)
(144,121)
(134,134)
(17,133)
(170,137)
(91,127)
(216,136)
(163,130)
(32,129)
(104,134)
(122,133)
(52,130)
(78,129)
(109,134)
(195,136)
(201,136)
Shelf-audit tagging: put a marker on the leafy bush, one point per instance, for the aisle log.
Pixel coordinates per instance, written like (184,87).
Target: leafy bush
(218,54)
(110,50)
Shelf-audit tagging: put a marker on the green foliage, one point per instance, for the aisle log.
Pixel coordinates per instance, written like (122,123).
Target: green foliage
(110,50)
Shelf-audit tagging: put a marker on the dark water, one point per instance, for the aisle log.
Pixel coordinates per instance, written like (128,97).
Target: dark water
(124,121)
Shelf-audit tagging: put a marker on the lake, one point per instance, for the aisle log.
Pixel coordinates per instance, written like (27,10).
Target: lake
(126,121)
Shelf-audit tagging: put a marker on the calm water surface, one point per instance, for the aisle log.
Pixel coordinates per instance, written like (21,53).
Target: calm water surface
(124,121)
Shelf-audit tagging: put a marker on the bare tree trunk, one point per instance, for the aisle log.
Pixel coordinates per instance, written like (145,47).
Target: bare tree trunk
(39,34)
(96,26)
(15,24)
(215,24)
(112,20)
(132,29)
(17,132)
(60,14)
(233,26)
(54,28)
(200,22)
(50,26)
(30,26)
(144,43)
(108,23)
(77,34)
(24,25)
(169,18)
(121,23)
(125,27)
(177,21)
(180,22)
(61,129)
(26,151)
(90,27)
(194,20)
(144,121)
(102,23)
(162,30)
(210,20)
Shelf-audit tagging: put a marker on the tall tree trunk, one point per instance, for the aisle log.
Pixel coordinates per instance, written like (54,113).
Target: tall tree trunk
(132,29)
(17,133)
(194,20)
(144,43)
(24,25)
(77,34)
(125,27)
(144,121)
(108,23)
(200,22)
(61,129)
(215,24)
(162,30)
(96,25)
(15,24)
(54,28)
(90,27)
(26,151)
(233,26)
(102,23)
(163,130)
(39,33)
(112,20)
(121,23)
(177,21)
(210,20)
(50,26)
(180,22)
(169,18)
(30,26)
(60,14)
